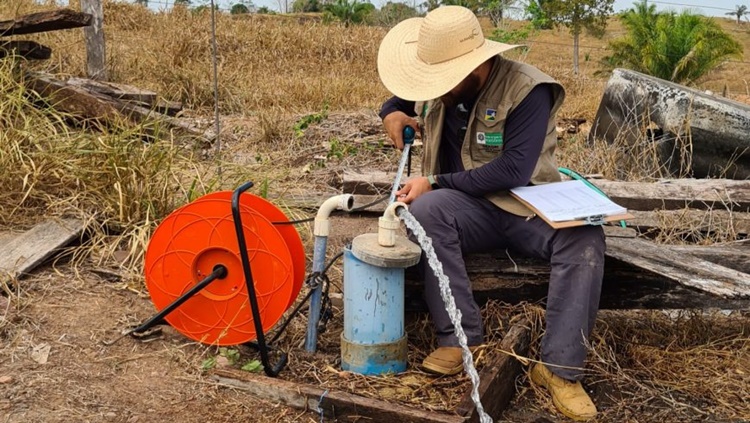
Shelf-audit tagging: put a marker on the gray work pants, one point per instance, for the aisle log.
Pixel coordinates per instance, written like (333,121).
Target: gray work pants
(460,224)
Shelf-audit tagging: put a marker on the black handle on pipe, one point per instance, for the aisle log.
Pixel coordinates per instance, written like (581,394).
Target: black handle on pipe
(272,371)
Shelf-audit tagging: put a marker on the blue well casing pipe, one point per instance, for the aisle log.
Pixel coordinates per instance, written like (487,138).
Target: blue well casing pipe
(374,340)
(320,231)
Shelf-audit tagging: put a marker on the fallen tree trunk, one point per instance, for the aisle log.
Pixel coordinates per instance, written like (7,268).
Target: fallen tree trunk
(132,95)
(96,106)
(44,21)
(690,129)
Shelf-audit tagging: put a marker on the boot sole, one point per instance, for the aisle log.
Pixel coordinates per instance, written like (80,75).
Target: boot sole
(442,371)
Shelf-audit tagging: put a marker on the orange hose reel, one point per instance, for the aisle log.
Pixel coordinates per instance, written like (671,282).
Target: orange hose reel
(196,238)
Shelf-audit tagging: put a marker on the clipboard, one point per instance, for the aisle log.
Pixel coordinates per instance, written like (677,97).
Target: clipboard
(569,203)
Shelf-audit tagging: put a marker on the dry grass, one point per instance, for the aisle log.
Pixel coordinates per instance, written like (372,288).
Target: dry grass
(674,366)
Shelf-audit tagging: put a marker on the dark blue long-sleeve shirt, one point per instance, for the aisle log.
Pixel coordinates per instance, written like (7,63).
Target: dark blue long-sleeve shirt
(524,133)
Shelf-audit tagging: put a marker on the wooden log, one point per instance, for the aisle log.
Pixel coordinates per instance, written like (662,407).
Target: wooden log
(93,105)
(333,404)
(515,280)
(691,220)
(628,282)
(715,128)
(166,107)
(30,50)
(703,221)
(734,257)
(690,271)
(183,127)
(497,379)
(72,99)
(136,96)
(118,91)
(25,251)
(625,288)
(671,194)
(45,21)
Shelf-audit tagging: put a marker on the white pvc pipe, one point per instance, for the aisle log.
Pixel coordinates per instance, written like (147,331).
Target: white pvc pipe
(338,202)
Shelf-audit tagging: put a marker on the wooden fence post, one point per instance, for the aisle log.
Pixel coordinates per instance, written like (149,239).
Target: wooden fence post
(96,66)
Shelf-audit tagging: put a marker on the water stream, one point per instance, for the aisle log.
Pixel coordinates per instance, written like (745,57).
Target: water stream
(450,305)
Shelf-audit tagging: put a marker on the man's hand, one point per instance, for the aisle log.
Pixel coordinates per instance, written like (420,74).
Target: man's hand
(394,124)
(412,189)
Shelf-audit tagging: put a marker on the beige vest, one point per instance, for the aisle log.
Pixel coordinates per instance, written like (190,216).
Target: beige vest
(508,84)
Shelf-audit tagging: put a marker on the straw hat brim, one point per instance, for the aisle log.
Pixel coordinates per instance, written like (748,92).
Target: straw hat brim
(406,76)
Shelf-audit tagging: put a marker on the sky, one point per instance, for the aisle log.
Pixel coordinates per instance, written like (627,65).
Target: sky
(704,7)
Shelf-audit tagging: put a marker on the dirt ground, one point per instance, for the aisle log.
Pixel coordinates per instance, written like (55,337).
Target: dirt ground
(55,366)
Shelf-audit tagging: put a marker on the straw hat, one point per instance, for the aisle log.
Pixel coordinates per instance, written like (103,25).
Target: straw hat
(424,58)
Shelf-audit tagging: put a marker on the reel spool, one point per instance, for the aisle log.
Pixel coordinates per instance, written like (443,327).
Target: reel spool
(199,237)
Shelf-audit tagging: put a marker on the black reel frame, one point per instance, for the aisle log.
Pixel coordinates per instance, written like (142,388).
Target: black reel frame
(220,272)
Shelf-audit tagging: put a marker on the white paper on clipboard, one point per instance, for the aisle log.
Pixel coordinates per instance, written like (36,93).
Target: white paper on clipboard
(568,200)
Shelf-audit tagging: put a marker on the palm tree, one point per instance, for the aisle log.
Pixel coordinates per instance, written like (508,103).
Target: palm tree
(739,11)
(679,48)
(347,12)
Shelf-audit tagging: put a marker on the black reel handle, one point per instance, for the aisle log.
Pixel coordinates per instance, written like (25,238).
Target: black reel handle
(274,370)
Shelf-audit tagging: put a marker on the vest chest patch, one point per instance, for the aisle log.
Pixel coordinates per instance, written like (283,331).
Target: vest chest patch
(490,138)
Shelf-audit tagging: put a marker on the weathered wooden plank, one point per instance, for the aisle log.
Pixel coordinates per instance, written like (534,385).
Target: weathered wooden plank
(695,220)
(167,107)
(134,95)
(334,404)
(735,257)
(29,249)
(117,91)
(725,194)
(691,219)
(497,379)
(181,126)
(93,105)
(44,21)
(505,276)
(96,55)
(624,287)
(30,50)
(674,194)
(72,99)
(688,270)
(373,182)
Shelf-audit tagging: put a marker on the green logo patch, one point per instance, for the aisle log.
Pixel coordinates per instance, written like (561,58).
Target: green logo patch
(490,138)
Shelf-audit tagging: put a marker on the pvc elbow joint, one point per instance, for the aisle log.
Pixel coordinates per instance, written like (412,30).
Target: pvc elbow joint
(338,202)
(388,224)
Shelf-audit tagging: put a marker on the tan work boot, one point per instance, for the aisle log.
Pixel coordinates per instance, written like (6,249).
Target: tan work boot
(446,361)
(569,397)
